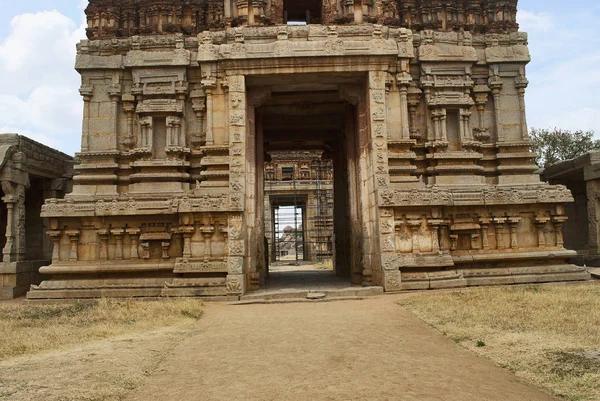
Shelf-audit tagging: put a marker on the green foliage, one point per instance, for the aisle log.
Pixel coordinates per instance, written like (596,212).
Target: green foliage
(557,145)
(480,343)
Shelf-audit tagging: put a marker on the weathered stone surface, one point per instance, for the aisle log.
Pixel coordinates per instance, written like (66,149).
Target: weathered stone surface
(419,107)
(30,173)
(580,176)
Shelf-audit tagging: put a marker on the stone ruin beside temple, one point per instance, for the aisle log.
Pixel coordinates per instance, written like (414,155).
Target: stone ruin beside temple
(30,173)
(418,105)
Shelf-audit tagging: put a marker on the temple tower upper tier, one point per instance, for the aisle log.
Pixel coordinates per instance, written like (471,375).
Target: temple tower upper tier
(123,18)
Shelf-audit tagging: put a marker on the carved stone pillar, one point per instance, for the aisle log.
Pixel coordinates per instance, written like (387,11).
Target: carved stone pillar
(134,235)
(484,222)
(86,91)
(444,236)
(514,223)
(358,11)
(415,225)
(165,249)
(521,84)
(114,92)
(199,106)
(55,236)
(540,225)
(465,126)
(187,232)
(207,232)
(481,97)
(558,222)
(74,250)
(173,131)
(499,226)
(439,124)
(404,80)
(128,140)
(103,235)
(435,238)
(9,248)
(495,84)
(118,234)
(14,249)
(414,100)
(209,84)
(145,140)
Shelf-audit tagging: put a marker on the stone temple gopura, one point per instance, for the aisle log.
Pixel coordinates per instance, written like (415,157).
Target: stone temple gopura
(419,105)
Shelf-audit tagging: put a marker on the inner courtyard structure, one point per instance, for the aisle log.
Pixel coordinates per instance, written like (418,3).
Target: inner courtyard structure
(418,105)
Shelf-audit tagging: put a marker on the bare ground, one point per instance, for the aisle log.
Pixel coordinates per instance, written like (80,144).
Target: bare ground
(348,350)
(102,371)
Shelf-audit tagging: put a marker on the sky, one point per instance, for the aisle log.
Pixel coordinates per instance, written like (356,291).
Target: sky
(39,94)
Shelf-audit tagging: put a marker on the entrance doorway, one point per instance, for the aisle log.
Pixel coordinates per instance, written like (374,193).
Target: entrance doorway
(307,151)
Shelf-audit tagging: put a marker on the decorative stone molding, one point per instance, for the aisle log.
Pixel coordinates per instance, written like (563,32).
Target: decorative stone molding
(488,195)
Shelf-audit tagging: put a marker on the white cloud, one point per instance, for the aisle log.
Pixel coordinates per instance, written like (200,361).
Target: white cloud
(531,21)
(38,85)
(564,73)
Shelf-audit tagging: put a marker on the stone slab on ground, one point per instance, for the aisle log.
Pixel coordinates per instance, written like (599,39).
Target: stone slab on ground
(595,272)
(371,349)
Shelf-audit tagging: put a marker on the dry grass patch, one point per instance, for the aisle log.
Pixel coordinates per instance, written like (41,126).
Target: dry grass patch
(31,328)
(549,335)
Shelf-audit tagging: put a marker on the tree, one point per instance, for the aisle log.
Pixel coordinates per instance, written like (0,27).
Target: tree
(556,145)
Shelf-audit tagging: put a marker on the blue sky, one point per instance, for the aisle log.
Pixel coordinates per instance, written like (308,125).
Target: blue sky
(39,88)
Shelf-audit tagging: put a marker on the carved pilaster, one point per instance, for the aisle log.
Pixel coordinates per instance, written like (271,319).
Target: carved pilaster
(55,236)
(103,235)
(481,92)
(207,232)
(14,249)
(495,84)
(558,222)
(86,91)
(435,238)
(414,100)
(118,235)
(404,79)
(540,225)
(514,223)
(134,235)
(485,222)
(174,132)
(499,226)
(187,232)
(209,84)
(199,106)
(74,250)
(521,84)
(415,226)
(114,92)
(128,140)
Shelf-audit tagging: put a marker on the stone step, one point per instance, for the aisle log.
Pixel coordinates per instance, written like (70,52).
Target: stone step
(301,295)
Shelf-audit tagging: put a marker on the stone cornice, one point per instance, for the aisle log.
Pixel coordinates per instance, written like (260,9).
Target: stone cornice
(480,195)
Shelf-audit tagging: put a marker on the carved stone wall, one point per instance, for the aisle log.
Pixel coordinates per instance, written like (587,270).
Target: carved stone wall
(579,175)
(29,173)
(438,182)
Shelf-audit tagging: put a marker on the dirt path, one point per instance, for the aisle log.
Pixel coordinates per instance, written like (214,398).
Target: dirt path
(349,350)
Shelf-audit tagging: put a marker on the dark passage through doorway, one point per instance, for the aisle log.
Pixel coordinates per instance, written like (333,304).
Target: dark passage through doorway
(307,138)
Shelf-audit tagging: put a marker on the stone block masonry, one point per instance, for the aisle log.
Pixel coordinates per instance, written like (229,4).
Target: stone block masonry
(419,105)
